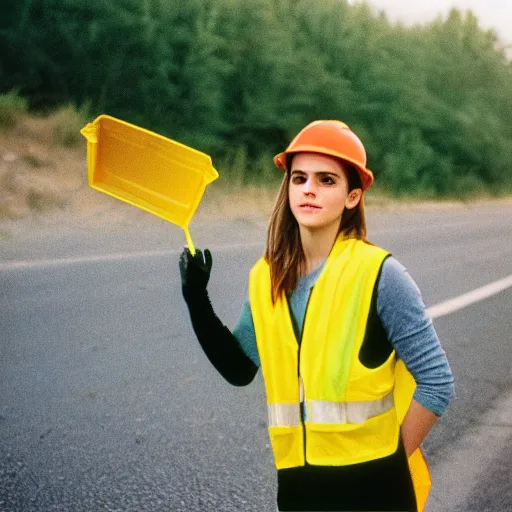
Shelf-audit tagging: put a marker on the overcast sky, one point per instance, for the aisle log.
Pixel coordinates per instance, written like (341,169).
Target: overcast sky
(495,14)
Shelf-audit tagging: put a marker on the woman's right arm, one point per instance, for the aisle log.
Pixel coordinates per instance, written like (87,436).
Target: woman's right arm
(217,341)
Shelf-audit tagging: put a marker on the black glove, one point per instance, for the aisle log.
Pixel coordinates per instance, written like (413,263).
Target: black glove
(217,341)
(195,270)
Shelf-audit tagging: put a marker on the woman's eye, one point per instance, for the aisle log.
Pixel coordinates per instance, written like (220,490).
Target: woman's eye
(298,179)
(327,180)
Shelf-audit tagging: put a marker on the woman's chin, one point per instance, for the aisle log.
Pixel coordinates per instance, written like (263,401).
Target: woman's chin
(313,224)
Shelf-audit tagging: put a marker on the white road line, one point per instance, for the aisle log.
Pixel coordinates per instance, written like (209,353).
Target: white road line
(61,262)
(462,301)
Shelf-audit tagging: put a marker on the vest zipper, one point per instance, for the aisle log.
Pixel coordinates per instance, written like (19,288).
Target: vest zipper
(302,394)
(302,409)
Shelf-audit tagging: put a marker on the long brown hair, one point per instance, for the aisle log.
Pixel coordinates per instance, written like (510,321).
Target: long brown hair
(284,252)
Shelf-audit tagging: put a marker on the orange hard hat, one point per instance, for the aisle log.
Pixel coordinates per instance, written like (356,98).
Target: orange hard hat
(332,138)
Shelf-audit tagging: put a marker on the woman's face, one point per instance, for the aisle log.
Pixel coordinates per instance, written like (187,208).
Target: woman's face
(318,190)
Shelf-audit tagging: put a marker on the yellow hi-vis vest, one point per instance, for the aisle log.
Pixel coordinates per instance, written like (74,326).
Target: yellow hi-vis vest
(353,413)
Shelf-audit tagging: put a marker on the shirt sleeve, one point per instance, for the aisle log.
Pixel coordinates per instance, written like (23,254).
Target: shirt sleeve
(245,333)
(411,333)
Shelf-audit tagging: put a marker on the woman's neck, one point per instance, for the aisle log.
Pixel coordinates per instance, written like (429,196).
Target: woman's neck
(317,245)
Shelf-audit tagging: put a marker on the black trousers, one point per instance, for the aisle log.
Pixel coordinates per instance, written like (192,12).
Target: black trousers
(379,485)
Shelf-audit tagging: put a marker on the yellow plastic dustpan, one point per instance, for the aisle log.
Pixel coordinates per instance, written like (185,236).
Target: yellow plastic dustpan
(147,170)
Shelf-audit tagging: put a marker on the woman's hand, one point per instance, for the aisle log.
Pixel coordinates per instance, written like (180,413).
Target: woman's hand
(195,270)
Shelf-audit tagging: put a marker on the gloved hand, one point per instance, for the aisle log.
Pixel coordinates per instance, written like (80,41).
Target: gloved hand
(195,270)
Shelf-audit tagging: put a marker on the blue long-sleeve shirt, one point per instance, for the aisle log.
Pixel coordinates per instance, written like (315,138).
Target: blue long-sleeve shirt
(404,318)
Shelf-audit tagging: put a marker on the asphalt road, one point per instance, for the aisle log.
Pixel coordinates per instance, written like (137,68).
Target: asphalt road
(107,402)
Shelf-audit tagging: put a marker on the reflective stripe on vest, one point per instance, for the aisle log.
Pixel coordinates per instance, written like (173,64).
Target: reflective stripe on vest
(284,415)
(326,412)
(322,411)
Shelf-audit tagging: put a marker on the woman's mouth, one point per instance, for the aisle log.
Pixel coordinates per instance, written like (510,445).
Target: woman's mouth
(309,207)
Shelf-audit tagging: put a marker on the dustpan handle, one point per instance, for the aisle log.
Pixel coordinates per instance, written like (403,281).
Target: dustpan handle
(190,244)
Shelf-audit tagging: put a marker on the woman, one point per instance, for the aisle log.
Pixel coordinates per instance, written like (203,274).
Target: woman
(338,327)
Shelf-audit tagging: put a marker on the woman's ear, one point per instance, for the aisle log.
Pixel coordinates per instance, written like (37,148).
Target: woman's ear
(353,198)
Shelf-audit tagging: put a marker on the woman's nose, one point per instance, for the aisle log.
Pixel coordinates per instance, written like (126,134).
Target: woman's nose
(309,186)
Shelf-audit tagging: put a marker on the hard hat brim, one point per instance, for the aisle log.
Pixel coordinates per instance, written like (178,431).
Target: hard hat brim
(365,174)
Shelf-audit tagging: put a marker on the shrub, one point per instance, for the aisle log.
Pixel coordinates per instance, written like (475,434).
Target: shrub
(12,107)
(67,122)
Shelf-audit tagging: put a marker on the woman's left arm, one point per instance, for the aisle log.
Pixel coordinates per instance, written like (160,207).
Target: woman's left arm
(410,330)
(416,425)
